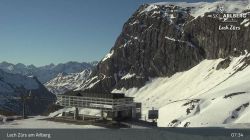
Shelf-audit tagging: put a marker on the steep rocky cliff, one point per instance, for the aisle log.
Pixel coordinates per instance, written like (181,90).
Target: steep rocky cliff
(162,39)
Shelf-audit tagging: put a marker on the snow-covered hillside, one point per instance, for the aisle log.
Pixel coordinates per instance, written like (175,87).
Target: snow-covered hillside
(65,82)
(206,95)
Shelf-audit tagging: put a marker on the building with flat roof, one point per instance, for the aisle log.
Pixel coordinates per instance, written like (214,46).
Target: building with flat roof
(115,106)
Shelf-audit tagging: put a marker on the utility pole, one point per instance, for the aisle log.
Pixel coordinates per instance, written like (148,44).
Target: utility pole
(24,117)
(23,99)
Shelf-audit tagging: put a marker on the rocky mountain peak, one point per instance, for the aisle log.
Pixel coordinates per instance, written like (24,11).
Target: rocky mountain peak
(61,74)
(164,38)
(64,82)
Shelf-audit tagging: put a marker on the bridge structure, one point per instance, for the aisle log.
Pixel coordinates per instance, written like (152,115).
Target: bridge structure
(114,105)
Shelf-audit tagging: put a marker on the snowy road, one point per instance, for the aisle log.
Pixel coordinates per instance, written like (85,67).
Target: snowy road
(36,122)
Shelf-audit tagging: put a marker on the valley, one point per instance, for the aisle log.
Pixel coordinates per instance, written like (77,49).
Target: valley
(177,58)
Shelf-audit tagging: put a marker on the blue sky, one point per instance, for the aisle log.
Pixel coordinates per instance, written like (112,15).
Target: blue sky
(41,32)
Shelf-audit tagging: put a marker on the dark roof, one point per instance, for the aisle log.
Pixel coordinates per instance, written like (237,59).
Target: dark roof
(98,95)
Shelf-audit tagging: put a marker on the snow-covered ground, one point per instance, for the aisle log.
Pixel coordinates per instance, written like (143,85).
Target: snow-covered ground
(200,97)
(36,122)
(85,111)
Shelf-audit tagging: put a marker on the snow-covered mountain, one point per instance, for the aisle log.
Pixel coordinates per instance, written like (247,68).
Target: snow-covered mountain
(161,39)
(206,95)
(199,9)
(13,86)
(48,72)
(64,82)
(173,57)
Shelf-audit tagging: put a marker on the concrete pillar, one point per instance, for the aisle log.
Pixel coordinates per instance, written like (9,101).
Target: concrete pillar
(76,113)
(115,114)
(133,110)
(102,117)
(83,113)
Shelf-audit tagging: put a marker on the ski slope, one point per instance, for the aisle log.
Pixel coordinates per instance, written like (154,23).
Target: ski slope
(200,97)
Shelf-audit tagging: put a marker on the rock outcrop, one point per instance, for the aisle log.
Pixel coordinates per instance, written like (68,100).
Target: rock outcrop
(161,40)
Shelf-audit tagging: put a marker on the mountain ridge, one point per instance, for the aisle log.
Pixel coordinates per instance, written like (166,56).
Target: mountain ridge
(159,40)
(47,72)
(64,82)
(16,85)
